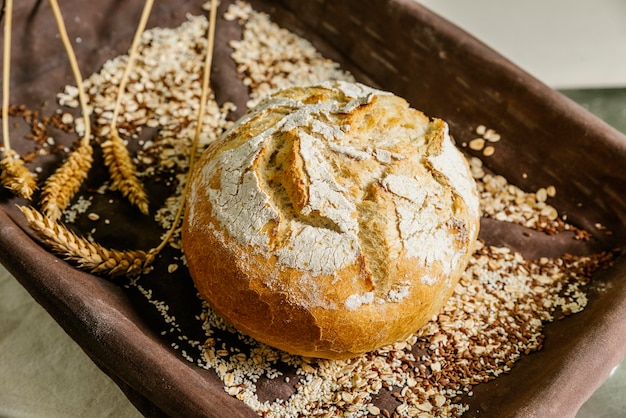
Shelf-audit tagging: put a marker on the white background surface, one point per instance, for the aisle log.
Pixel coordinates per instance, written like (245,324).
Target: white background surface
(564,43)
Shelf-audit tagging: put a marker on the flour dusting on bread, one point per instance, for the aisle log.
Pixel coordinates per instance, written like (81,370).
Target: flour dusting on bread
(322,250)
(340,197)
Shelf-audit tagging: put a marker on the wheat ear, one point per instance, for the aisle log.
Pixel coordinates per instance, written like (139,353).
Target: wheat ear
(123,173)
(87,256)
(61,187)
(116,156)
(15,176)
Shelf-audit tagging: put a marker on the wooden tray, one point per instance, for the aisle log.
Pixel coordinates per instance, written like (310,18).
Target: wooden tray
(396,45)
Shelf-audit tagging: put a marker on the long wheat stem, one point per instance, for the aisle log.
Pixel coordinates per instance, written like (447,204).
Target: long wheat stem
(143,21)
(116,156)
(14,176)
(74,65)
(95,258)
(201,109)
(6,72)
(61,187)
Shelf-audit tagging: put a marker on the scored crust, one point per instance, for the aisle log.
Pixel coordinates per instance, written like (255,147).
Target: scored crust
(330,220)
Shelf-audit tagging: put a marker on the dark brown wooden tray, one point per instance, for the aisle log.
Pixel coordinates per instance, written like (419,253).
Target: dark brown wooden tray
(397,45)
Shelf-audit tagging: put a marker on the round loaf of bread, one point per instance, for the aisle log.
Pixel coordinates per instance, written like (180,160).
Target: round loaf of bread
(330,220)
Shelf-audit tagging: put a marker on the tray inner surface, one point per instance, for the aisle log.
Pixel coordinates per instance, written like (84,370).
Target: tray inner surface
(395,45)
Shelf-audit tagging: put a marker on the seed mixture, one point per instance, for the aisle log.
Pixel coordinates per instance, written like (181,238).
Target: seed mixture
(496,314)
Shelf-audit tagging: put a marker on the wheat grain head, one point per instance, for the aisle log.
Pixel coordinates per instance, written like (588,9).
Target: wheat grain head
(123,171)
(16,177)
(87,256)
(61,186)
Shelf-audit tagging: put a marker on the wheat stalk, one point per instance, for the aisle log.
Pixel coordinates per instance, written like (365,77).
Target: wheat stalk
(15,176)
(92,257)
(87,256)
(194,146)
(61,187)
(122,172)
(116,156)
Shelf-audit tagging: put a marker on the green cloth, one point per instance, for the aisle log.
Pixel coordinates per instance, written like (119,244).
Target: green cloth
(43,372)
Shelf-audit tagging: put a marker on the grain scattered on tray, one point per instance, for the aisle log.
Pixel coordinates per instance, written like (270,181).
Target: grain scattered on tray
(495,316)
(272,58)
(503,201)
(163,93)
(487,136)
(92,216)
(488,151)
(80,206)
(477,144)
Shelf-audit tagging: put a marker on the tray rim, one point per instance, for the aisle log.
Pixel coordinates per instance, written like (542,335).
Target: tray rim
(12,232)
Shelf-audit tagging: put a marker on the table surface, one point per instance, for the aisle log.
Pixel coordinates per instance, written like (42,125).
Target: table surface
(564,43)
(44,373)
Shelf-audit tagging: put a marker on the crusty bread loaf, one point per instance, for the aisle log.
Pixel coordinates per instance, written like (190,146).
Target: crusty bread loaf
(330,220)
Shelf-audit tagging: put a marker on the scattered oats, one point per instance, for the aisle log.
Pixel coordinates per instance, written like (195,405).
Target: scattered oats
(425,407)
(307,368)
(477,144)
(542,195)
(440,400)
(373,410)
(489,151)
(506,202)
(172,268)
(79,207)
(272,58)
(67,118)
(93,216)
(491,135)
(486,135)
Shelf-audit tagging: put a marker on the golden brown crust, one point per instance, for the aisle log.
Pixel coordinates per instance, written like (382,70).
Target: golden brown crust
(330,221)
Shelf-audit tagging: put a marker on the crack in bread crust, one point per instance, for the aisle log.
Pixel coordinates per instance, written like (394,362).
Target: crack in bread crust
(338,199)
(313,163)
